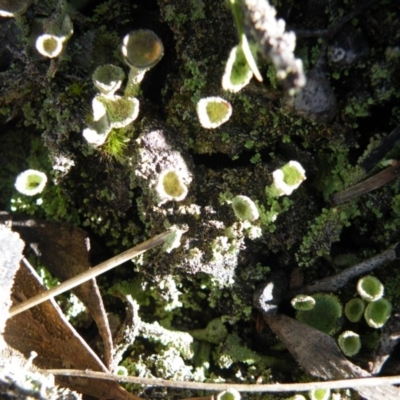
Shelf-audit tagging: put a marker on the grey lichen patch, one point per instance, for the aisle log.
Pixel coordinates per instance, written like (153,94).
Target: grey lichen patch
(211,243)
(158,153)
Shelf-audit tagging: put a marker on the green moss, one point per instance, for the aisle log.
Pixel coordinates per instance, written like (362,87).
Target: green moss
(324,231)
(324,315)
(232,350)
(116,144)
(214,333)
(197,80)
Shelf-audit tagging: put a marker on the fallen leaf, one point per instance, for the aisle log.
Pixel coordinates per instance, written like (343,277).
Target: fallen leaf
(63,249)
(319,355)
(45,330)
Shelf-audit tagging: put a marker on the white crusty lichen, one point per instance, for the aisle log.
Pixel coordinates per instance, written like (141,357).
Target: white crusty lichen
(173,240)
(181,341)
(168,364)
(261,26)
(167,290)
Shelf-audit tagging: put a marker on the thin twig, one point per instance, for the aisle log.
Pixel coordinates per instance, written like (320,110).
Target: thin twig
(272,387)
(387,144)
(89,274)
(366,186)
(335,282)
(338,26)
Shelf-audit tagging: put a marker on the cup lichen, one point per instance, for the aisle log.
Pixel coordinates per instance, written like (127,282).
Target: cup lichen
(350,343)
(213,112)
(171,186)
(31,182)
(245,209)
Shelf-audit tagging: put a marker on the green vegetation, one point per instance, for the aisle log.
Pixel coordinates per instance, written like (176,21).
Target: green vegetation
(159,168)
(324,315)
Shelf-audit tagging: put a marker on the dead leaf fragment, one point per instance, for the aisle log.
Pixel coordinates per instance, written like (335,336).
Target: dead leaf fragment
(319,355)
(45,330)
(64,250)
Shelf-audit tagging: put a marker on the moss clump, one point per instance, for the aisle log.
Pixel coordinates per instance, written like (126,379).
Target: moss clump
(325,314)
(116,144)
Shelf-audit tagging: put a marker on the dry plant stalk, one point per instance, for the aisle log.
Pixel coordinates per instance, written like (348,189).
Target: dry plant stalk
(241,387)
(366,186)
(90,274)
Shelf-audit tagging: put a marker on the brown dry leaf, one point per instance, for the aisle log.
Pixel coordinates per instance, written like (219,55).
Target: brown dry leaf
(45,330)
(319,355)
(63,249)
